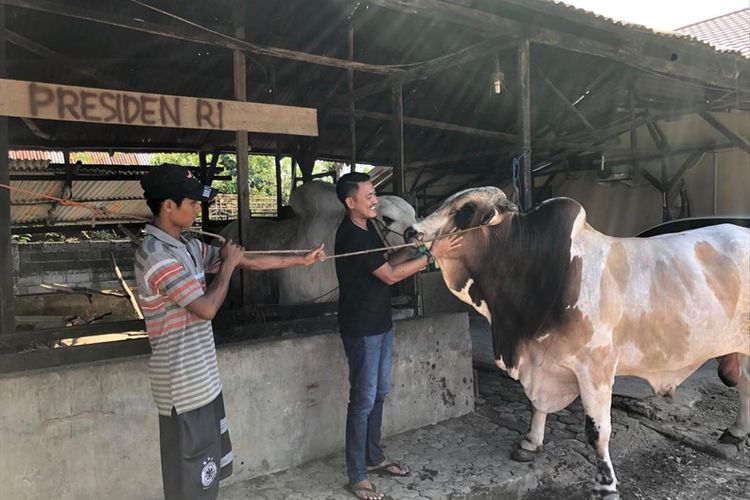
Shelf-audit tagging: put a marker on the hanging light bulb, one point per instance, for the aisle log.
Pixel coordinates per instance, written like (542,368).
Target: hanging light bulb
(497,78)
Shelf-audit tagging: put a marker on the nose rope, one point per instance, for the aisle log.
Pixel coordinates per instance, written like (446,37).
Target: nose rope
(383,231)
(101,212)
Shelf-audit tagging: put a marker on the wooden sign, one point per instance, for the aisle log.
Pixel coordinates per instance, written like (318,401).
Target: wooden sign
(48,101)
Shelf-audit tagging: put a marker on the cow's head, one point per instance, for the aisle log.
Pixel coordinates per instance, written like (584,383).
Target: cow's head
(484,206)
(395,216)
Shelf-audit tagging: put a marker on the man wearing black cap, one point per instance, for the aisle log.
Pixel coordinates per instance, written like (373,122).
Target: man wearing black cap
(178,308)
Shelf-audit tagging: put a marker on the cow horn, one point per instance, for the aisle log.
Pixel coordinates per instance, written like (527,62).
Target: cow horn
(489,219)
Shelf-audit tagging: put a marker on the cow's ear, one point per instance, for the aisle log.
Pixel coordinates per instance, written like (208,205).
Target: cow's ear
(465,215)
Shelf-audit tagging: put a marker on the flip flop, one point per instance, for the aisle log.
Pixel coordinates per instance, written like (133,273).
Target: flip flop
(385,470)
(355,490)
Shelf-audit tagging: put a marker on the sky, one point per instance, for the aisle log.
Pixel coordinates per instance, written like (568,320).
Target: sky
(661,14)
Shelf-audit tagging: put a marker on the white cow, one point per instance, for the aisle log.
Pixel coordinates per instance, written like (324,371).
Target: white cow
(317,215)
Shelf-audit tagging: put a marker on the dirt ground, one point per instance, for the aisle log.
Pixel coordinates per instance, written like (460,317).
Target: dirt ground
(687,463)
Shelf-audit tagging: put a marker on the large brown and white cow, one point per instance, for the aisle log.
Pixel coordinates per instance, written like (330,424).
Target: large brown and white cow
(317,215)
(570,307)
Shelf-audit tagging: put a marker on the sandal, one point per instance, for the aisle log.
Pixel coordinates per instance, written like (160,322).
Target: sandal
(357,491)
(385,470)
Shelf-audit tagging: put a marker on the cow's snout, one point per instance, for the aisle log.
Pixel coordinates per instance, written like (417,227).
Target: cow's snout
(411,235)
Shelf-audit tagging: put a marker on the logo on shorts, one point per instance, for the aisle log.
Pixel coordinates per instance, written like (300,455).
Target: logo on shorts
(209,472)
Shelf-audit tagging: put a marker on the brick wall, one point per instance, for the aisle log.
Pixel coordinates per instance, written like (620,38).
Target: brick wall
(86,264)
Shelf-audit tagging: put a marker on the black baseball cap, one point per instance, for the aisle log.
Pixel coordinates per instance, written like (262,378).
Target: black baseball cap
(174,181)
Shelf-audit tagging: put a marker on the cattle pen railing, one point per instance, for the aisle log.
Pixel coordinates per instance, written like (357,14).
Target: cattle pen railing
(224,207)
(44,348)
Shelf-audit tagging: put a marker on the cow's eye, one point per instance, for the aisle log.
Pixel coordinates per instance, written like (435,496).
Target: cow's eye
(464,215)
(388,221)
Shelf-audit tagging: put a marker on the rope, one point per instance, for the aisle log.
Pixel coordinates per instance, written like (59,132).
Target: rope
(102,212)
(517,175)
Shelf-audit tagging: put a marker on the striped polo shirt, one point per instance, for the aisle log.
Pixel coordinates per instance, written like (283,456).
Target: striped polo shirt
(170,274)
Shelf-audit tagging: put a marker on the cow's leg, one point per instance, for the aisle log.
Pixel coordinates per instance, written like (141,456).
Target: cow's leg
(737,432)
(597,402)
(729,369)
(534,439)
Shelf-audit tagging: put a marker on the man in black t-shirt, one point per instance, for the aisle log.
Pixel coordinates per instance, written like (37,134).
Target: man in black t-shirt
(366,327)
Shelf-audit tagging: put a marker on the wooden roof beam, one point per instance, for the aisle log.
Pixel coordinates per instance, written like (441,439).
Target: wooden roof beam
(42,51)
(204,38)
(725,131)
(426,69)
(450,127)
(720,70)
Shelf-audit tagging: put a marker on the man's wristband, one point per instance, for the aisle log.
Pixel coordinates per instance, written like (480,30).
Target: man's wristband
(424,251)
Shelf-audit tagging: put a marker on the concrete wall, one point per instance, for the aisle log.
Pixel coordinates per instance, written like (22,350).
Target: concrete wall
(718,185)
(85,263)
(437,299)
(91,432)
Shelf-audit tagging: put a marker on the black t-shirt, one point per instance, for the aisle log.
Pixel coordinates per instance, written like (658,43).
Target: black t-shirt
(364,300)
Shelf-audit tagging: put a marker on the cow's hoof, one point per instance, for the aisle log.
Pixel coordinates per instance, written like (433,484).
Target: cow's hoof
(729,438)
(522,455)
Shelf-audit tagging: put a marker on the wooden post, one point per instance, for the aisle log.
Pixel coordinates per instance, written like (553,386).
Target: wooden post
(7,299)
(278,180)
(397,112)
(294,176)
(204,176)
(524,123)
(243,186)
(350,83)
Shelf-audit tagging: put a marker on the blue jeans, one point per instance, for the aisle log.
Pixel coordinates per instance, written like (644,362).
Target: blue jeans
(369,360)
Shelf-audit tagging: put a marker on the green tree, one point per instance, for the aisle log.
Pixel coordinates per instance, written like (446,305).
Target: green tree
(262,172)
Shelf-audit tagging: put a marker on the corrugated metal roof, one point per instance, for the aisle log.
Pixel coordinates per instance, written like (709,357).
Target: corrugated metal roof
(567,9)
(91,157)
(121,199)
(39,213)
(730,31)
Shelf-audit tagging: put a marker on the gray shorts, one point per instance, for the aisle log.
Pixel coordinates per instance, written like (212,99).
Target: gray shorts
(196,452)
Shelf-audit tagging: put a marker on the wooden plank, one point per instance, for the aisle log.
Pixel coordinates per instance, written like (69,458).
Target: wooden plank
(131,296)
(191,35)
(397,130)
(524,123)
(93,105)
(706,65)
(66,356)
(736,139)
(7,298)
(51,334)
